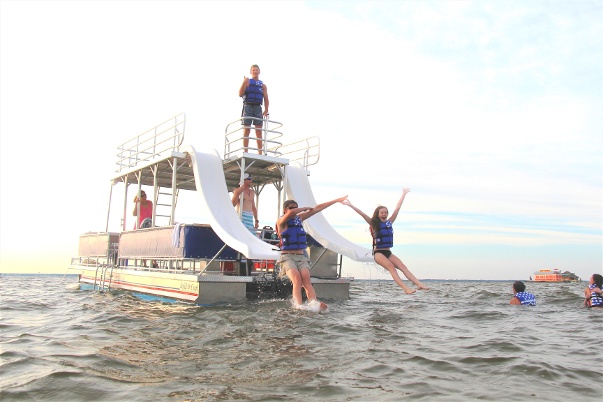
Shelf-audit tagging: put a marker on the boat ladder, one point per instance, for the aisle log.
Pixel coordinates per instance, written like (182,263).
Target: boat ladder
(164,203)
(103,282)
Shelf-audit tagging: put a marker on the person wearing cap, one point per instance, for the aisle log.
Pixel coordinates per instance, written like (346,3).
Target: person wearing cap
(520,296)
(254,92)
(146,209)
(293,262)
(249,215)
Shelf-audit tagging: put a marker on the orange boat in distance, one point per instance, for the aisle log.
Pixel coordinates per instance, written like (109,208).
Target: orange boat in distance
(554,275)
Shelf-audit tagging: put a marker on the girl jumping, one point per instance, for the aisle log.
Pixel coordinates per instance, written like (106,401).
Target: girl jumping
(383,240)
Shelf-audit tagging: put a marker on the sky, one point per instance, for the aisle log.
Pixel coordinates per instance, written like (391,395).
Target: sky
(490,111)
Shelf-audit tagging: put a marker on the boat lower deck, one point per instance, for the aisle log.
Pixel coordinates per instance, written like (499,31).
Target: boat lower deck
(202,288)
(189,262)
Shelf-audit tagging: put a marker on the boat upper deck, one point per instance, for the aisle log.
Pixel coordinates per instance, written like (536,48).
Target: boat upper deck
(264,169)
(154,158)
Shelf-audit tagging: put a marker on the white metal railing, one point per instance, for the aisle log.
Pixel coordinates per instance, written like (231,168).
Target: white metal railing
(234,137)
(306,151)
(156,142)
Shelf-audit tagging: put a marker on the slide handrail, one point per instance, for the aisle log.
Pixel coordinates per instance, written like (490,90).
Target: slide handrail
(155,143)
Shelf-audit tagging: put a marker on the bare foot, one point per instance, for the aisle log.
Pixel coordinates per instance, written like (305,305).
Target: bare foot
(423,287)
(409,291)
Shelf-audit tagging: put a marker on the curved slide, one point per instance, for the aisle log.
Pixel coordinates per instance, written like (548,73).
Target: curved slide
(298,189)
(211,187)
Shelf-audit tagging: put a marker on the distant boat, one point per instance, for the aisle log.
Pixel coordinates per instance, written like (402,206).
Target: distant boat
(554,275)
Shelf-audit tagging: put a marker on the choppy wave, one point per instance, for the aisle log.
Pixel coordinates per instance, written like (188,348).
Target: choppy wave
(459,341)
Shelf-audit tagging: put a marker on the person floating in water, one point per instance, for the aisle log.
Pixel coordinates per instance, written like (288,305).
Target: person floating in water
(593,294)
(520,296)
(383,240)
(293,262)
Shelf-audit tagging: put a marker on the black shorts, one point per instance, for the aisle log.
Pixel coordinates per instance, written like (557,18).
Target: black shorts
(386,253)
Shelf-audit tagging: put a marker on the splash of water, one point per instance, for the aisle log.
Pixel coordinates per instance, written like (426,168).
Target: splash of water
(314,306)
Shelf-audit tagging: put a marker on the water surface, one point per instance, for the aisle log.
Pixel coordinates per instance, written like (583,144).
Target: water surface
(459,341)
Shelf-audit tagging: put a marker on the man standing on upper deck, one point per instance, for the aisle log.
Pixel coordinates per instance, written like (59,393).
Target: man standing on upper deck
(250,212)
(254,92)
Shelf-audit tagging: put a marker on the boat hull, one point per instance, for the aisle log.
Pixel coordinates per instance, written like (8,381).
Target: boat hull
(204,289)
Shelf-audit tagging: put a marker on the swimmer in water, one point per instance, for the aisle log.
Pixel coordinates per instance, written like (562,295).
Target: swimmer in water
(593,294)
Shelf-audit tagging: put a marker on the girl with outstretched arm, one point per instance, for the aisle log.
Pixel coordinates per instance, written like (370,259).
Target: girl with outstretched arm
(383,240)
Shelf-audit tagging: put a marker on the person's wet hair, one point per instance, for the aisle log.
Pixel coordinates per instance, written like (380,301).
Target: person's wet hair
(519,286)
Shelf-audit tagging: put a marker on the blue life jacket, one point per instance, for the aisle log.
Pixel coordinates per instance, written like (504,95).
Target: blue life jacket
(385,237)
(526,299)
(254,93)
(294,237)
(596,300)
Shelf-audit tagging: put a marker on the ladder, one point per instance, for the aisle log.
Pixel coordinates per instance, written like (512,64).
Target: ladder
(103,282)
(164,207)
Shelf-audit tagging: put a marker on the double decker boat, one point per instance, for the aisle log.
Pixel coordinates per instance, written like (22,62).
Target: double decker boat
(218,260)
(554,275)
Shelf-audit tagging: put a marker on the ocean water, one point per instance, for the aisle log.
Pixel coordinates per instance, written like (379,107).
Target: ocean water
(459,341)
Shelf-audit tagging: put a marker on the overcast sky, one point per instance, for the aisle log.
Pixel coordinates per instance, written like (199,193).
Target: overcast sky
(490,111)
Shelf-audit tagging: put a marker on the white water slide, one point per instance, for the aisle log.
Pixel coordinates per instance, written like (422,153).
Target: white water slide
(298,189)
(211,187)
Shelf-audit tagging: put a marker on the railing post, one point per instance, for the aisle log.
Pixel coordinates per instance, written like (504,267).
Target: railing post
(109,209)
(265,139)
(155,143)
(174,189)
